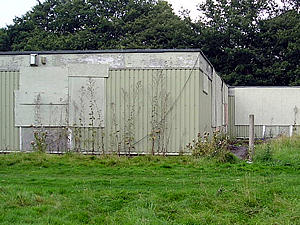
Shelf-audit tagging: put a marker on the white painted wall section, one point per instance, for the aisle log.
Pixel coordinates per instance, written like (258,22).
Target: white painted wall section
(88,70)
(270,106)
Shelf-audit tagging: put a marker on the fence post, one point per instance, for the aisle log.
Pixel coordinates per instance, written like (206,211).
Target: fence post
(251,137)
(291,130)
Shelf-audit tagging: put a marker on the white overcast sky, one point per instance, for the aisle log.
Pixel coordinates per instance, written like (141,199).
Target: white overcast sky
(9,9)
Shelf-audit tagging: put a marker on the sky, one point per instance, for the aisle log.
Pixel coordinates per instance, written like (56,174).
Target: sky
(9,9)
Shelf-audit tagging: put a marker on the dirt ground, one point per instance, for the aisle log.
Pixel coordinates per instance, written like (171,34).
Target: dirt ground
(240,151)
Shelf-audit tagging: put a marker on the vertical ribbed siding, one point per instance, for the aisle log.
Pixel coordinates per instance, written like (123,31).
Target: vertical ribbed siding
(242,131)
(135,97)
(9,134)
(231,116)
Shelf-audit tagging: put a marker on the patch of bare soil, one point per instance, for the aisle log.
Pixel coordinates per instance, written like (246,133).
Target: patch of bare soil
(239,151)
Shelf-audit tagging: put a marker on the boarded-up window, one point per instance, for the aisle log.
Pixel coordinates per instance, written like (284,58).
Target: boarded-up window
(42,99)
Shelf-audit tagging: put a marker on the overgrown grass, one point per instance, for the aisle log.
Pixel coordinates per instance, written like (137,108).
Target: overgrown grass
(75,189)
(280,151)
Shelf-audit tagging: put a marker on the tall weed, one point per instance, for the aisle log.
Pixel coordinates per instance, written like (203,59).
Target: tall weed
(283,150)
(216,146)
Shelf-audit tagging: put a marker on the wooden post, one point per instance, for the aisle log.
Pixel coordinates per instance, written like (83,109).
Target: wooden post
(251,137)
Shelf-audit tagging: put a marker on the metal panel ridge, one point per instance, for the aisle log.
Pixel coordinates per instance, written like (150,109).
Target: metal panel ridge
(9,134)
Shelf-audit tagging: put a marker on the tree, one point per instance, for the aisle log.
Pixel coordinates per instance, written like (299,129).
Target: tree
(160,28)
(4,40)
(278,47)
(99,24)
(245,38)
(228,34)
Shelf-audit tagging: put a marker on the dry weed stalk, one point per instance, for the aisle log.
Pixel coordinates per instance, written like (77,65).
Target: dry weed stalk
(160,130)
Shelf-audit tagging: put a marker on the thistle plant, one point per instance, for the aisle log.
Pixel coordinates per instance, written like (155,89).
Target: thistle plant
(215,146)
(39,144)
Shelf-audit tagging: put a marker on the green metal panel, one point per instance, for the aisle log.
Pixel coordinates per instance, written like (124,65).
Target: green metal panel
(158,110)
(241,131)
(9,134)
(152,110)
(270,131)
(231,123)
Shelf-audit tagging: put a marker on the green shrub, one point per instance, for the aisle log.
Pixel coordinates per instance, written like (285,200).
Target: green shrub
(216,146)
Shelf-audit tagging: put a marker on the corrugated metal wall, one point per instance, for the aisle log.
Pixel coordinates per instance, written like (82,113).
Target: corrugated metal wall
(151,110)
(160,110)
(231,105)
(9,135)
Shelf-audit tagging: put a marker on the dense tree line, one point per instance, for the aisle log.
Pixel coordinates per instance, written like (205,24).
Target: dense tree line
(250,42)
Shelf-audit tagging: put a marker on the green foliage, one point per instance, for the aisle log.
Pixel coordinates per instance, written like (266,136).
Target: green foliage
(251,42)
(4,40)
(216,146)
(264,153)
(282,151)
(160,28)
(39,144)
(105,24)
(279,37)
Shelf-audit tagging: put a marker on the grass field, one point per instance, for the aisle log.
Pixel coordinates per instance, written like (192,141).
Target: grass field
(74,189)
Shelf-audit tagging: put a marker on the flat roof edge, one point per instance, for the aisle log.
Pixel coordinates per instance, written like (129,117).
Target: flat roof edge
(264,86)
(99,51)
